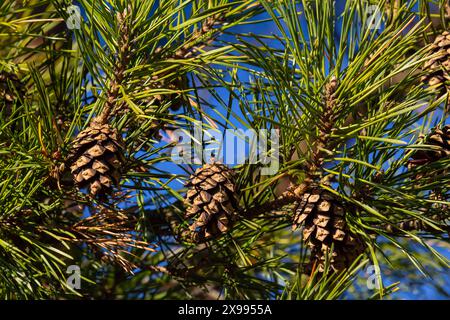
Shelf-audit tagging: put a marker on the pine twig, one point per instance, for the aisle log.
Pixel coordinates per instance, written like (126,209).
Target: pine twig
(122,60)
(200,38)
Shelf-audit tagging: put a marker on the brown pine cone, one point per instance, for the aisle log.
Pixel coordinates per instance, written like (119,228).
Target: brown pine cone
(96,159)
(326,231)
(212,201)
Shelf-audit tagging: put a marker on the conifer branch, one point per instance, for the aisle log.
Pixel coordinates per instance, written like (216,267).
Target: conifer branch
(122,59)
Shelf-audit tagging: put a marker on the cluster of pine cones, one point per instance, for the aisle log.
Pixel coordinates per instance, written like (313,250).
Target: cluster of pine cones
(97,157)
(212,204)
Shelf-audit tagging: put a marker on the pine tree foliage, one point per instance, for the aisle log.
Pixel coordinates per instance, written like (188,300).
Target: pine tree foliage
(87,129)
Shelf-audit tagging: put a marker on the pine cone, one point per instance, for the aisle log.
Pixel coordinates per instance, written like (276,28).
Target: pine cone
(325,227)
(438,67)
(437,137)
(212,201)
(96,158)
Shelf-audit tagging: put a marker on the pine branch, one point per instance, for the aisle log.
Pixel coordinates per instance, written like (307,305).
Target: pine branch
(400,228)
(122,59)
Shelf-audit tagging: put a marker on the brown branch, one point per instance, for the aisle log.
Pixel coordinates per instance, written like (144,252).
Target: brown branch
(122,60)
(200,38)
(415,225)
(289,197)
(323,142)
